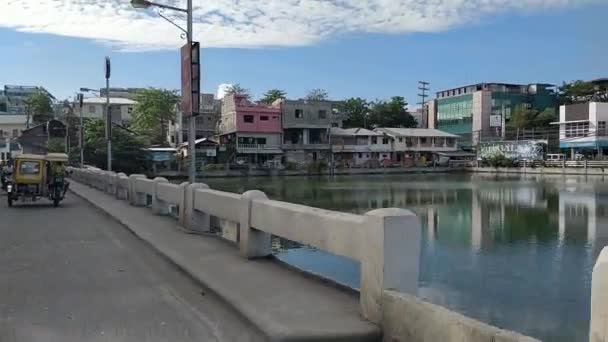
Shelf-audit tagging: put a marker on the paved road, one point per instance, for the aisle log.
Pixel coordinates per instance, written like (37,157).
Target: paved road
(73,274)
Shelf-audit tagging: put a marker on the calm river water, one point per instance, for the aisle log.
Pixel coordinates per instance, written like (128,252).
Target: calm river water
(516,252)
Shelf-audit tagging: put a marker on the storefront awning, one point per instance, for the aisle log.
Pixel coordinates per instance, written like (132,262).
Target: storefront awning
(567,122)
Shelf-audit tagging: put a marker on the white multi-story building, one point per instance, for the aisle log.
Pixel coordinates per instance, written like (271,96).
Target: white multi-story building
(583,127)
(94,108)
(11,126)
(13,114)
(415,142)
(359,147)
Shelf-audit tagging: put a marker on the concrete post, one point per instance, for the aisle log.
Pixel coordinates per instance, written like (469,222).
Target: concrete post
(122,186)
(190,218)
(159,207)
(135,198)
(390,253)
(111,179)
(100,181)
(598,329)
(253,243)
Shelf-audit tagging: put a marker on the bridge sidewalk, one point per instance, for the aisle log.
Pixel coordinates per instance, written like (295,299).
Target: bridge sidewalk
(284,304)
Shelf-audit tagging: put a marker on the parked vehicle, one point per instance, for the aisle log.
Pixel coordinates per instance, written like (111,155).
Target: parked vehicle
(555,157)
(36,176)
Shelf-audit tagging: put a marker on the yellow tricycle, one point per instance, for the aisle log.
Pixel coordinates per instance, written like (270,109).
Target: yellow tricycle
(36,176)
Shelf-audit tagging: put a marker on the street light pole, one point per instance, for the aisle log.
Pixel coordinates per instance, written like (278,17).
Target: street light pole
(192,121)
(108,114)
(81,137)
(109,124)
(188,31)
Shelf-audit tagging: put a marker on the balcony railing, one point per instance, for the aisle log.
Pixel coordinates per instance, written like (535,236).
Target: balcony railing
(260,148)
(299,146)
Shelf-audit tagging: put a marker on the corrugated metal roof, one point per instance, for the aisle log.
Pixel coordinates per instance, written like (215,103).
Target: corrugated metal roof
(12,119)
(416,132)
(113,100)
(353,132)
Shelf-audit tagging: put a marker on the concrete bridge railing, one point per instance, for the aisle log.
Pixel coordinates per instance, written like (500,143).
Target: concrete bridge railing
(598,331)
(386,242)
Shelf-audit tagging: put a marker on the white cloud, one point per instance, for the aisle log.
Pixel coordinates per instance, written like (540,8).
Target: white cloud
(251,23)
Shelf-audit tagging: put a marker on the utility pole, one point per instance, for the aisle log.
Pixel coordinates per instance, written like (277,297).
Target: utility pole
(108,114)
(423,87)
(192,120)
(81,131)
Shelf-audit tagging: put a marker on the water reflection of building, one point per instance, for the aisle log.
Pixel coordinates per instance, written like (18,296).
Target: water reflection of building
(583,213)
(528,196)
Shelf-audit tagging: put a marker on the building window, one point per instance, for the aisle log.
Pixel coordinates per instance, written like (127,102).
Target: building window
(263,118)
(91,109)
(322,114)
(374,140)
(384,141)
(15,133)
(299,113)
(129,110)
(423,140)
(248,118)
(400,140)
(261,141)
(275,117)
(1,133)
(601,128)
(577,129)
(360,155)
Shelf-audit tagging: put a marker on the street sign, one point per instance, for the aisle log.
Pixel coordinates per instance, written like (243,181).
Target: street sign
(107,68)
(496,120)
(191,80)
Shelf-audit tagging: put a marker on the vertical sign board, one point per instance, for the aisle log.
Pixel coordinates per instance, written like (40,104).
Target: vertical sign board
(191,81)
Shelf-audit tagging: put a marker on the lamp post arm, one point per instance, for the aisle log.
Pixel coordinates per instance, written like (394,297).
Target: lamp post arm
(185,33)
(168,7)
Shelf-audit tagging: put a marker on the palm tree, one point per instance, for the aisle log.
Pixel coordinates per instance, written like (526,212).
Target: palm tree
(238,90)
(273,95)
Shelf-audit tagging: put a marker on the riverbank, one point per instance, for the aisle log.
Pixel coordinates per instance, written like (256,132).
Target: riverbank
(542,170)
(276,172)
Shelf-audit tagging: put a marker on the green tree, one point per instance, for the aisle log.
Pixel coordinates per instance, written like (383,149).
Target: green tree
(317,94)
(154,110)
(39,107)
(546,117)
(272,95)
(355,109)
(523,117)
(238,90)
(581,91)
(531,118)
(56,145)
(127,148)
(392,113)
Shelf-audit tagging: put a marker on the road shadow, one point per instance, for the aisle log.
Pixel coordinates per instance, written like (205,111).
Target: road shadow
(41,204)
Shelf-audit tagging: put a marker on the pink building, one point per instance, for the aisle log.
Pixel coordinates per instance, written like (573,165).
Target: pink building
(252,132)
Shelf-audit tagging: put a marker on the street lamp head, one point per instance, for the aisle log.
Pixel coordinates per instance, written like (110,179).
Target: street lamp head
(140,3)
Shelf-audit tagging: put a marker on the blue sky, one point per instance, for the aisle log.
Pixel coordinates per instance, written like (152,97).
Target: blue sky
(549,44)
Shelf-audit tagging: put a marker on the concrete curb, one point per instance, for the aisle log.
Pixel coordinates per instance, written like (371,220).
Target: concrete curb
(273,332)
